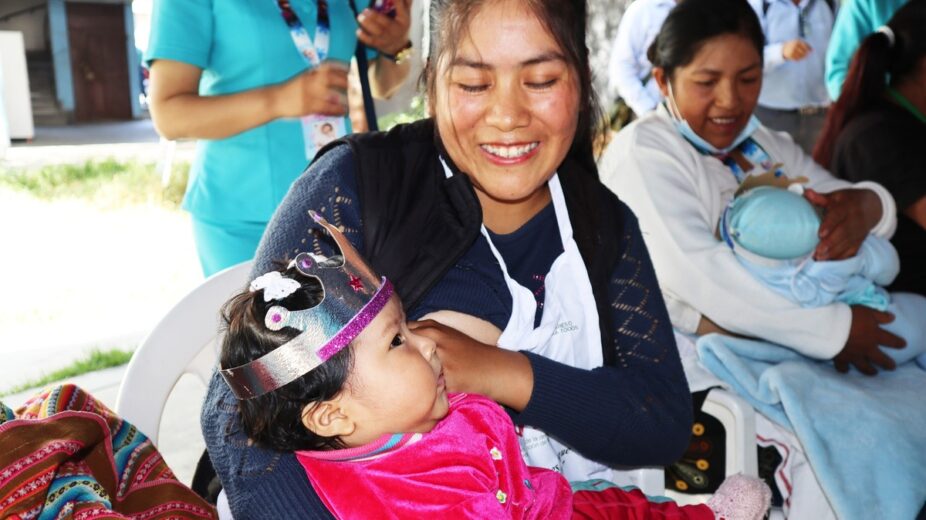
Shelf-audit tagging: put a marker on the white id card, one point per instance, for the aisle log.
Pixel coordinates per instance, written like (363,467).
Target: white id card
(317,131)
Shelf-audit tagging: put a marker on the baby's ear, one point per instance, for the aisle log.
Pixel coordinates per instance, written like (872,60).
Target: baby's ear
(327,419)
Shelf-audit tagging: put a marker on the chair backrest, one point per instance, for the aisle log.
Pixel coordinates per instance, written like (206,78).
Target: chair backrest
(183,342)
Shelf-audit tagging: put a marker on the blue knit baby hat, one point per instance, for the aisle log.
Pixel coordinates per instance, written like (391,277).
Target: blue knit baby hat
(773,223)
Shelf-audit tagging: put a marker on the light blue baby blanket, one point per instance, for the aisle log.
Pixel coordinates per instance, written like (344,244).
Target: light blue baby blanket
(865,437)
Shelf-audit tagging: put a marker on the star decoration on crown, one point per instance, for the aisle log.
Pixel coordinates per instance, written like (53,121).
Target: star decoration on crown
(355,283)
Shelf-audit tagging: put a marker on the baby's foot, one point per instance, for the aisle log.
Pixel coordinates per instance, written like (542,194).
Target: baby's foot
(741,498)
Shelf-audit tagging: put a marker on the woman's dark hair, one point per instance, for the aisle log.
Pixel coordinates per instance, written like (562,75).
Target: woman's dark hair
(692,22)
(275,418)
(564,19)
(875,63)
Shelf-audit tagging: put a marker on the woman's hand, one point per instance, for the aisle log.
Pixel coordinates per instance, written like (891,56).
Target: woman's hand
(385,33)
(866,336)
(917,212)
(473,367)
(322,90)
(848,217)
(795,50)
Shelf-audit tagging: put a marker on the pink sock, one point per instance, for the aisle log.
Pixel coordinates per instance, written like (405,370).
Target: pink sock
(741,498)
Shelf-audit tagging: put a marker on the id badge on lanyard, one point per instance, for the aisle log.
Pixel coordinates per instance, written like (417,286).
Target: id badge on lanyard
(317,130)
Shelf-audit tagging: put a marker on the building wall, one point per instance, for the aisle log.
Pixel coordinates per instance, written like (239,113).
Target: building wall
(31,23)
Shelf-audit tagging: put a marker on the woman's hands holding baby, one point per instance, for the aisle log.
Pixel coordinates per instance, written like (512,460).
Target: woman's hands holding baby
(474,367)
(848,217)
(866,336)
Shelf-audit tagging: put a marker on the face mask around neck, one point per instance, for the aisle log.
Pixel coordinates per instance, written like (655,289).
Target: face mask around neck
(699,142)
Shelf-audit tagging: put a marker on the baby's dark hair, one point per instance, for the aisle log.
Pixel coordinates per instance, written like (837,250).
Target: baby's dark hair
(275,418)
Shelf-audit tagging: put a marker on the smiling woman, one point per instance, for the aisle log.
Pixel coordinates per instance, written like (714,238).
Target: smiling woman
(679,167)
(490,220)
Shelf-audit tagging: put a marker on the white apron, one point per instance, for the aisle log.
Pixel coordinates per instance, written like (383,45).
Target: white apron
(568,333)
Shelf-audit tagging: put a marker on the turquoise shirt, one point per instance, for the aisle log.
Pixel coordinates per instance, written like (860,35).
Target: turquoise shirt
(856,20)
(241,45)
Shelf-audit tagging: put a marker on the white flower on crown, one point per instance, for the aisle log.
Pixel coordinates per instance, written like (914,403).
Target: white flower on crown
(274,285)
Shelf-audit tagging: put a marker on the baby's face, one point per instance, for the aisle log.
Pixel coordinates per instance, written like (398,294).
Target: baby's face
(397,383)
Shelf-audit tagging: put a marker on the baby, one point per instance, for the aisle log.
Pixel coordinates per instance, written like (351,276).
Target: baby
(323,364)
(773,233)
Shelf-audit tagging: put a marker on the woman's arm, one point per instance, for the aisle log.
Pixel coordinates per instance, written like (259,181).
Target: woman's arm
(389,35)
(636,413)
(639,411)
(179,111)
(624,67)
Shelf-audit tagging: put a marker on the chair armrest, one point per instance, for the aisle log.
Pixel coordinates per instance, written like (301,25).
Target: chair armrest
(739,421)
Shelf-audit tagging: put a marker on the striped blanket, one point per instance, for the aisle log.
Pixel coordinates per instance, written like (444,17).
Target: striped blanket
(64,455)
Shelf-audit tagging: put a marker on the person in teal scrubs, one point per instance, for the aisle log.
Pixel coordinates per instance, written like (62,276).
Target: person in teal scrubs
(229,73)
(855,20)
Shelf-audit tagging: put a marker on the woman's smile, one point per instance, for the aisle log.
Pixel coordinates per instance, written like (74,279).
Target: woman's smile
(514,153)
(726,125)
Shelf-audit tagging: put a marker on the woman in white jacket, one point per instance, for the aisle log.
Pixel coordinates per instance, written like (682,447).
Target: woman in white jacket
(678,168)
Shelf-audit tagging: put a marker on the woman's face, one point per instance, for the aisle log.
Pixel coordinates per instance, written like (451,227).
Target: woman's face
(507,105)
(717,92)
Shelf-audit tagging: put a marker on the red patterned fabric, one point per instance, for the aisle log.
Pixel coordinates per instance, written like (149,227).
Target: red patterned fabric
(64,455)
(615,503)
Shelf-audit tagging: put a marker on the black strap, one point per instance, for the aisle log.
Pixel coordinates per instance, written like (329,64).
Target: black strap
(363,70)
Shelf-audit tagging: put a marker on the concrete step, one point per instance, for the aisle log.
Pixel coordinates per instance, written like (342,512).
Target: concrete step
(45,109)
(51,119)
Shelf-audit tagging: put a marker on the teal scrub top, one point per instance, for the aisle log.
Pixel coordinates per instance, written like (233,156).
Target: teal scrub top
(855,20)
(241,45)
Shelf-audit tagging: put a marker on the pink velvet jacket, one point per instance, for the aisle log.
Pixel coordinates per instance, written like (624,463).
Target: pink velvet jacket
(468,466)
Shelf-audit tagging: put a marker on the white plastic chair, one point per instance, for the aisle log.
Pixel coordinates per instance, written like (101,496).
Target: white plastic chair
(739,422)
(184,342)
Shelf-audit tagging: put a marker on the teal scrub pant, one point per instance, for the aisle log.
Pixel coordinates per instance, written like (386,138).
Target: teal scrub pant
(224,244)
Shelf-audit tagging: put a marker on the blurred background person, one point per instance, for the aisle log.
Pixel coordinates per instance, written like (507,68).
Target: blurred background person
(794,98)
(877,131)
(856,19)
(252,81)
(630,78)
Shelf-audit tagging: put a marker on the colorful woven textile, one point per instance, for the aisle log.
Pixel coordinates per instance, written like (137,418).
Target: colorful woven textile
(64,455)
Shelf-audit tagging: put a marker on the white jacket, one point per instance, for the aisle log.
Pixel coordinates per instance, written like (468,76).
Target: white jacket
(678,195)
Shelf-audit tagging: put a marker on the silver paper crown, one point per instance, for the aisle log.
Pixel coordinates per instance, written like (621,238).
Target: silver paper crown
(352,295)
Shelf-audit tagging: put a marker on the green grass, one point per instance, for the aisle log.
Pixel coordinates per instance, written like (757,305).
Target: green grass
(414,112)
(107,183)
(96,360)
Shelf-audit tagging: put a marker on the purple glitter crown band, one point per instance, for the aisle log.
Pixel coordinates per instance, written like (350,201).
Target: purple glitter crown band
(352,296)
